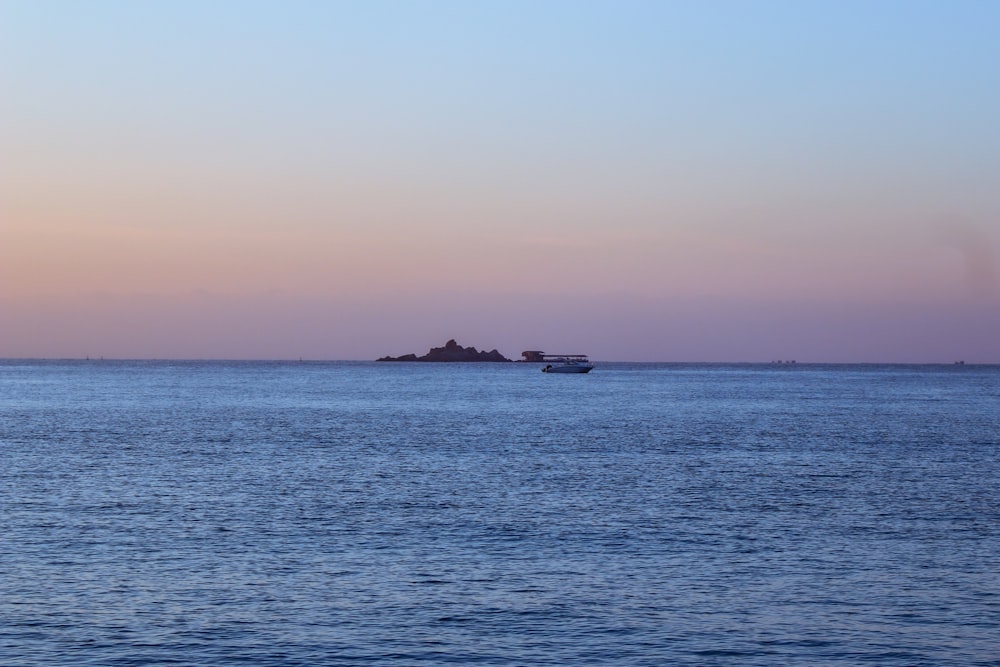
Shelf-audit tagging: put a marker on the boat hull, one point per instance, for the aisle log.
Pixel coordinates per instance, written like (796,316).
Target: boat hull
(568,369)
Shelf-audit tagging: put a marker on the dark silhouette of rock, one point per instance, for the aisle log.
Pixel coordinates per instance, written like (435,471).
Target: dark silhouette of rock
(451,351)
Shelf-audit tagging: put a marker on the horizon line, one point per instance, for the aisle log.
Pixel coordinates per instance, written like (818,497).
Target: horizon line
(290,360)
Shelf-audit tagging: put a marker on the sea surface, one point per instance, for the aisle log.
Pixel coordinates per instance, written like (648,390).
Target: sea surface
(301,513)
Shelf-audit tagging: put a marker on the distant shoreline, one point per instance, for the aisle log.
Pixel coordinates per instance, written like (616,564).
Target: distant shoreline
(452,352)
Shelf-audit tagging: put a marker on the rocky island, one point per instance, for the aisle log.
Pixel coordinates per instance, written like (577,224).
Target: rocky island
(451,351)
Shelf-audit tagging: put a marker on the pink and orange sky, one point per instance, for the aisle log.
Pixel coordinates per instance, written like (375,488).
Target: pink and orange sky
(647,181)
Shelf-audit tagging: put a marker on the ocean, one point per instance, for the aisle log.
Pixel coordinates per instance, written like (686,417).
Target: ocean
(349,513)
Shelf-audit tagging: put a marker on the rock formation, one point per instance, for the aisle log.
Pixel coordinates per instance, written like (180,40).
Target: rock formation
(451,351)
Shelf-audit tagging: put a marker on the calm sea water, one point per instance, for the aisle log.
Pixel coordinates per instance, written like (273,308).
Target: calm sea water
(420,514)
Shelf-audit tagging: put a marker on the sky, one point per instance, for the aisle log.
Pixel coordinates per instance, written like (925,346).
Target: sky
(637,181)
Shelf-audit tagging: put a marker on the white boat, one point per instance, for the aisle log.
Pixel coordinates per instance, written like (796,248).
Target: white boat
(567,363)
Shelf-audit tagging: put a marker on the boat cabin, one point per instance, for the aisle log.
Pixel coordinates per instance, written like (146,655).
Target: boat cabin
(539,356)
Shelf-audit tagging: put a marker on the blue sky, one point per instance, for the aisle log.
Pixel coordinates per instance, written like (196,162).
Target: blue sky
(647,153)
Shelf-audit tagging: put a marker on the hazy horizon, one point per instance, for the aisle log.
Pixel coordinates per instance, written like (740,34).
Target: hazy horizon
(637,181)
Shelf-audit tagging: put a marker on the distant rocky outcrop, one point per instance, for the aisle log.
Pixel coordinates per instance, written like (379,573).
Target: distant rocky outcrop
(451,351)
